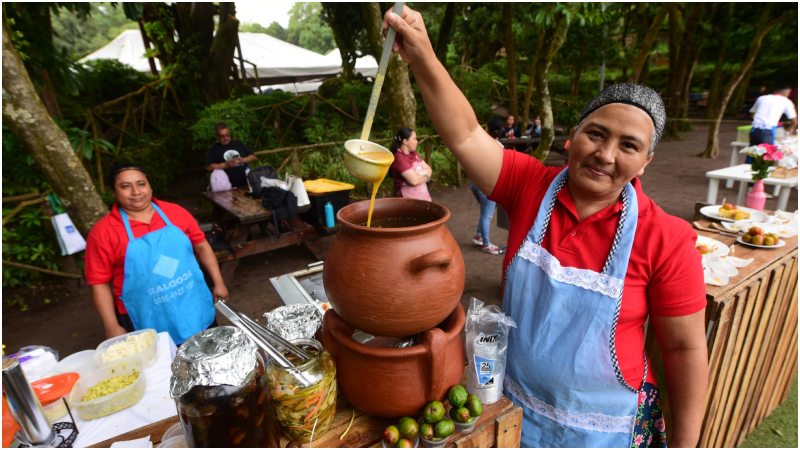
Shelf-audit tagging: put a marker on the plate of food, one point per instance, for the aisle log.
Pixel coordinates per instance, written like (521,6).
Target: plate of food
(708,246)
(774,227)
(730,212)
(756,237)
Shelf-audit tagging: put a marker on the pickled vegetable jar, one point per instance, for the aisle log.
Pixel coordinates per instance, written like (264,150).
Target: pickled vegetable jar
(219,384)
(304,398)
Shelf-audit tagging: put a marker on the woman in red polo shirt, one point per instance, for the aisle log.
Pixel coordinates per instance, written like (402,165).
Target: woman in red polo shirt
(142,263)
(590,259)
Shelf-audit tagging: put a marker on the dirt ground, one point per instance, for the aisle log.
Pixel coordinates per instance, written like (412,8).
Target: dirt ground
(675,180)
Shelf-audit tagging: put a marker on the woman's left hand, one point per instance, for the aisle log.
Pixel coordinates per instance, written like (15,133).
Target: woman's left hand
(220,292)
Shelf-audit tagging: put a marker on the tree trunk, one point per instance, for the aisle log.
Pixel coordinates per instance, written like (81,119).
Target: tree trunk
(682,52)
(537,55)
(222,48)
(47,144)
(647,45)
(554,39)
(508,41)
(401,102)
(763,28)
(445,30)
(717,83)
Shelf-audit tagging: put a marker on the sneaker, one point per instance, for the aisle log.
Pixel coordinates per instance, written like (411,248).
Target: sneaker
(493,249)
(477,240)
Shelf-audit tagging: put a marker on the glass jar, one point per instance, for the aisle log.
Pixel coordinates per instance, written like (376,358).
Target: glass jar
(304,399)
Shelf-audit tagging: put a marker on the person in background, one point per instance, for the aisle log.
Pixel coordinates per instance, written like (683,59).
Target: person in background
(409,171)
(487,207)
(767,112)
(511,131)
(142,263)
(229,155)
(535,130)
(590,259)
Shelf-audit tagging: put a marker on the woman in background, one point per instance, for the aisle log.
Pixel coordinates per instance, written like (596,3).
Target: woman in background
(409,171)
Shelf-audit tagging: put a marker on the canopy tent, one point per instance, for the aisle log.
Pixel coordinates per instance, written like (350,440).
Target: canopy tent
(268,59)
(365,65)
(127,48)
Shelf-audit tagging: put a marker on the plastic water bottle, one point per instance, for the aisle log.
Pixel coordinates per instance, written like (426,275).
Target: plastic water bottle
(329,222)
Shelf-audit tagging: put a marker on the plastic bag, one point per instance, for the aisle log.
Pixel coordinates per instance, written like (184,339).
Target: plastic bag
(486,332)
(298,189)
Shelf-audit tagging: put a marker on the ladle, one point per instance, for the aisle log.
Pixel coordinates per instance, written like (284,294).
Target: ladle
(376,88)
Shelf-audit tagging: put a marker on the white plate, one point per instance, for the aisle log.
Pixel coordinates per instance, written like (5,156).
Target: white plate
(780,243)
(717,247)
(712,212)
(781,229)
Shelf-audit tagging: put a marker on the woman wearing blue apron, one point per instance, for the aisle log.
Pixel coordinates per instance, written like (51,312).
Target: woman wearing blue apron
(563,366)
(142,263)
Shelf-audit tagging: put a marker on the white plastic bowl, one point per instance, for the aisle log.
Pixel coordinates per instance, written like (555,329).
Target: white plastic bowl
(118,349)
(82,362)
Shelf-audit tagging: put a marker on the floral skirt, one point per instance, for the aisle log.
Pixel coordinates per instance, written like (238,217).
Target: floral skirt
(649,429)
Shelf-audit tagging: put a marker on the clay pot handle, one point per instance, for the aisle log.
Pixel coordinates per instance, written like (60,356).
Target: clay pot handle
(436,340)
(440,257)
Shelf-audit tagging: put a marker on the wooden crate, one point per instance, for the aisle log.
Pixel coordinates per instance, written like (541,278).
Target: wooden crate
(500,426)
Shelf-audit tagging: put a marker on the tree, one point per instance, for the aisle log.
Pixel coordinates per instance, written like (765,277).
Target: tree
(308,28)
(401,102)
(345,21)
(445,30)
(47,144)
(511,56)
(79,34)
(646,45)
(765,24)
(684,39)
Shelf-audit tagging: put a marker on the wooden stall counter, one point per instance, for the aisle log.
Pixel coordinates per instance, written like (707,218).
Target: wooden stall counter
(751,331)
(499,426)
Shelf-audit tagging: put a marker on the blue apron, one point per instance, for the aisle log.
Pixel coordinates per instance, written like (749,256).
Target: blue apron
(163,286)
(562,365)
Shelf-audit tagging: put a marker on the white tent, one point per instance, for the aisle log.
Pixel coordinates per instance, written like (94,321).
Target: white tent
(275,61)
(127,48)
(365,65)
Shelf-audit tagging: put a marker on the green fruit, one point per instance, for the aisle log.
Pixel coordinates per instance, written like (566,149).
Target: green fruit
(391,435)
(457,396)
(426,431)
(460,415)
(409,428)
(474,405)
(405,443)
(443,428)
(434,412)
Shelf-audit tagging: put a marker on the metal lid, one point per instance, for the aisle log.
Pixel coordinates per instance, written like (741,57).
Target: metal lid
(213,357)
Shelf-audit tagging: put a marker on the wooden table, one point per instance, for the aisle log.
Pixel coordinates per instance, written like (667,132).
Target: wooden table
(500,425)
(743,174)
(751,329)
(245,212)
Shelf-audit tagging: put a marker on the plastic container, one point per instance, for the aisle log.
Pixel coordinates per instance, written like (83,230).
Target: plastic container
(116,401)
(141,344)
(50,392)
(324,186)
(743,133)
(174,442)
(465,427)
(435,443)
(416,443)
(82,363)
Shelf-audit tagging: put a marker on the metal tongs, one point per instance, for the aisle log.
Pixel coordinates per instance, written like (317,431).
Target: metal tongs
(266,339)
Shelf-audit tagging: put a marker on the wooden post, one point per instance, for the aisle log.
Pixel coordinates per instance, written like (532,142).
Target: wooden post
(428,150)
(296,167)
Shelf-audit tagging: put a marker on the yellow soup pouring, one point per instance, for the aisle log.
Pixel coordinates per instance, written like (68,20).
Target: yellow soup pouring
(369,162)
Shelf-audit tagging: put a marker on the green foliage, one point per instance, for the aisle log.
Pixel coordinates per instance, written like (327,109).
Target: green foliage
(26,241)
(307,28)
(80,34)
(102,80)
(234,113)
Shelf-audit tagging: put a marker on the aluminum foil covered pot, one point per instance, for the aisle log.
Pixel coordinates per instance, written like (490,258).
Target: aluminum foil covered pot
(399,277)
(220,386)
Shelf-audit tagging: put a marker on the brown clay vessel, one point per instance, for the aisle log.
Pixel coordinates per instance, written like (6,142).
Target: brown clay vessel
(400,277)
(395,382)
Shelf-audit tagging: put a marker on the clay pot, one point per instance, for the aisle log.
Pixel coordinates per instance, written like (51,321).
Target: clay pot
(400,277)
(395,382)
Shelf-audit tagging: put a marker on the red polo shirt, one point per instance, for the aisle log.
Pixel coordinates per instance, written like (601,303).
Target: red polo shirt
(665,274)
(108,241)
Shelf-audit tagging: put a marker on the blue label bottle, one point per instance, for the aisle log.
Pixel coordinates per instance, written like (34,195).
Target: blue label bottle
(329,222)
